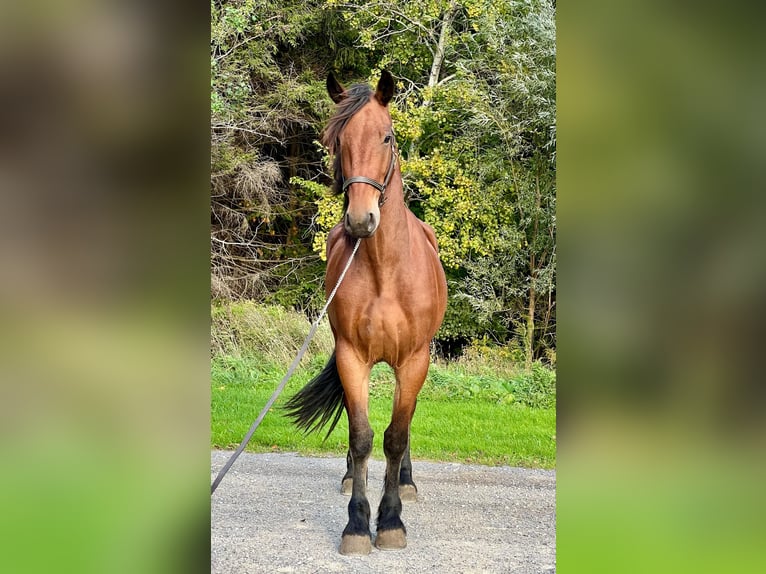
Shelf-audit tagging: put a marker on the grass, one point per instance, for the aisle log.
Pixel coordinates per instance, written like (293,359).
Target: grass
(459,418)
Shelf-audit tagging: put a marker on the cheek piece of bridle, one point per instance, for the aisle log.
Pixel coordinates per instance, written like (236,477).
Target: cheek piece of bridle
(381,187)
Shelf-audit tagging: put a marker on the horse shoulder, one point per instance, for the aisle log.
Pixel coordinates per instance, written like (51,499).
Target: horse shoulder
(430,234)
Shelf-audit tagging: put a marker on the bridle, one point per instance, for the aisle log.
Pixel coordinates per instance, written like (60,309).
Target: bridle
(381,187)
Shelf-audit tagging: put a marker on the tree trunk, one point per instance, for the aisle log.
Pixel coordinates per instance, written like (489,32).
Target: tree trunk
(441,47)
(532,274)
(530,323)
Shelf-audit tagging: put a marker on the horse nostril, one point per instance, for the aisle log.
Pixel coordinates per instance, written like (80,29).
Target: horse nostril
(371,222)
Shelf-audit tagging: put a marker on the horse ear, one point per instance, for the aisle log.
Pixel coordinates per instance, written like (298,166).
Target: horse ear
(335,89)
(385,89)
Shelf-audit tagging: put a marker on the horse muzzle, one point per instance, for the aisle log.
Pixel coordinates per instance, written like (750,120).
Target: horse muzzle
(361,226)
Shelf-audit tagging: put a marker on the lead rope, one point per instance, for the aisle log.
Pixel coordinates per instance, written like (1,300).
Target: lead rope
(286,378)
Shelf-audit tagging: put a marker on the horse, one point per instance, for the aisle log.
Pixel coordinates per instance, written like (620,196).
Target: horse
(387,309)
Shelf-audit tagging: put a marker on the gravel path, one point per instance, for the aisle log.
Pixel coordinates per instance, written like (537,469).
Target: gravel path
(284,513)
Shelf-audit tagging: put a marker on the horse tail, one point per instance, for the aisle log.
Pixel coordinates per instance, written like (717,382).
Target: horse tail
(319,402)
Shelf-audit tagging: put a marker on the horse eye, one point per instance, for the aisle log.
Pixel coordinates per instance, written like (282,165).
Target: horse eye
(387,139)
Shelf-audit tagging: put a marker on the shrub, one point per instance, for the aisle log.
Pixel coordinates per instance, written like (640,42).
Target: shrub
(497,373)
(536,388)
(244,328)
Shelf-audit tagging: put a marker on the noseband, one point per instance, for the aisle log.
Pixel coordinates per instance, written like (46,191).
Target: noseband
(381,187)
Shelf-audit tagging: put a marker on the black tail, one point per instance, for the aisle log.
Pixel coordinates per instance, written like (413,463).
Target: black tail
(319,402)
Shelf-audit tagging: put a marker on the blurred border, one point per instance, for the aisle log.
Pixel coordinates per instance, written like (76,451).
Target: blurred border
(104,287)
(660,201)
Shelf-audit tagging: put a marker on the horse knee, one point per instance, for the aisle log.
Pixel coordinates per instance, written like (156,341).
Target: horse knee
(395,442)
(360,441)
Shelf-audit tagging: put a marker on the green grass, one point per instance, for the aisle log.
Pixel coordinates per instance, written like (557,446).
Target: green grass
(460,417)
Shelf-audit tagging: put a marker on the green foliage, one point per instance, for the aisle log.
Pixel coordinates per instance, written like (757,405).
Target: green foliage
(463,213)
(493,372)
(329,212)
(485,357)
(301,288)
(536,388)
(462,386)
(462,323)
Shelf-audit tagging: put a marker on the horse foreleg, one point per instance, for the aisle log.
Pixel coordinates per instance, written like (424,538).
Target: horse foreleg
(354,375)
(409,380)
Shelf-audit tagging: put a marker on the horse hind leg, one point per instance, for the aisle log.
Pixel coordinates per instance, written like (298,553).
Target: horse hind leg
(408,491)
(347,482)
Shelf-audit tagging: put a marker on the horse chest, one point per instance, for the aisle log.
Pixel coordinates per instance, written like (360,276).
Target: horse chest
(385,331)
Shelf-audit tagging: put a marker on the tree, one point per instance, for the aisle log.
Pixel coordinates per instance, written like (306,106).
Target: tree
(519,111)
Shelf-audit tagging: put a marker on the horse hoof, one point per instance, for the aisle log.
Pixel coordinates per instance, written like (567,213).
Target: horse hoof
(355,545)
(391,540)
(408,493)
(346,486)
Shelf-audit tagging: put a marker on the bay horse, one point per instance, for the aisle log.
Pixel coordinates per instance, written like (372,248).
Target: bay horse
(388,308)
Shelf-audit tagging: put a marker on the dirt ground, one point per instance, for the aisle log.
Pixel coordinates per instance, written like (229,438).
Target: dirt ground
(285,513)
